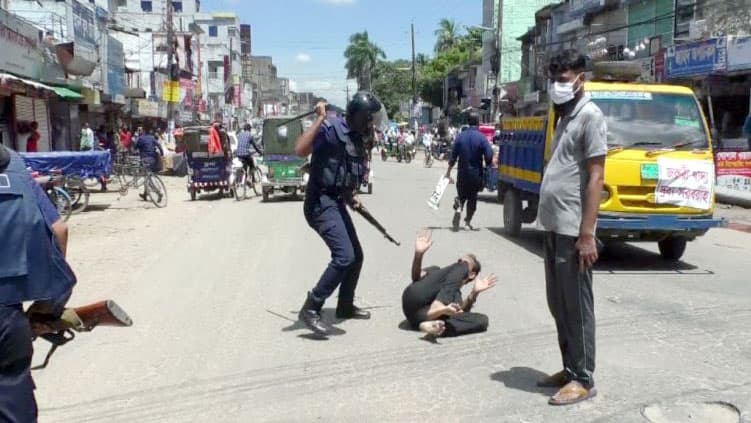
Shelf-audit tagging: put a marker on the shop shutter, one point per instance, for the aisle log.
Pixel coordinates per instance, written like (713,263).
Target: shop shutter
(24,108)
(41,115)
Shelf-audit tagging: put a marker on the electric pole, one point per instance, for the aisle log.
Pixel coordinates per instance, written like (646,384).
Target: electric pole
(414,77)
(499,41)
(171,73)
(347,83)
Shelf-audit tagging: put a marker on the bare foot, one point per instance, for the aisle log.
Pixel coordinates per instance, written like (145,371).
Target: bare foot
(433,327)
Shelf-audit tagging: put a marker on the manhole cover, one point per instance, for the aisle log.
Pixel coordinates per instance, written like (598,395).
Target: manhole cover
(699,412)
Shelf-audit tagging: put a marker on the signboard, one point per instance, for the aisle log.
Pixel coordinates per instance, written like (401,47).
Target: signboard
(83,25)
(734,170)
(685,183)
(20,44)
(647,65)
(171,91)
(115,65)
(697,59)
(739,53)
(187,87)
(148,108)
(660,66)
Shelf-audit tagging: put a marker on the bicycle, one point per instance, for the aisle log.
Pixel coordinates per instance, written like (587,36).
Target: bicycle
(79,193)
(242,182)
(57,195)
(131,173)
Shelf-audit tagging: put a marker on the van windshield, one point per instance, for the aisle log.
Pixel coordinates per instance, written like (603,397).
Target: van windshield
(651,120)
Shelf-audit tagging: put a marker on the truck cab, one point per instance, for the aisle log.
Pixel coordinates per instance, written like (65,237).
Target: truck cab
(659,169)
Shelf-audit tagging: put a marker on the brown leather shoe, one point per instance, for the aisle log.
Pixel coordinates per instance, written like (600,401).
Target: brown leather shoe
(572,393)
(557,380)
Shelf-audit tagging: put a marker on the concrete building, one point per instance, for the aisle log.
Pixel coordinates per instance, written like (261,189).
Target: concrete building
(221,65)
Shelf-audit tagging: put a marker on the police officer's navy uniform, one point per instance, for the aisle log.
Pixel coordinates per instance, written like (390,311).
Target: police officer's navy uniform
(337,169)
(32,268)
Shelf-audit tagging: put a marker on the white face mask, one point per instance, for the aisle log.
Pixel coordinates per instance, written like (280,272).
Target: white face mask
(563,92)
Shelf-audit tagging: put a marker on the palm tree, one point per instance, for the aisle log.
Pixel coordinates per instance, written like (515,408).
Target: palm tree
(447,34)
(362,56)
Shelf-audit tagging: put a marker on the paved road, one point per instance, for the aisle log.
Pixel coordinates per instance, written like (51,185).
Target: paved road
(214,286)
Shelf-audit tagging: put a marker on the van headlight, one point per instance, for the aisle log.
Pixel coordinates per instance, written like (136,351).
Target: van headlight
(604,196)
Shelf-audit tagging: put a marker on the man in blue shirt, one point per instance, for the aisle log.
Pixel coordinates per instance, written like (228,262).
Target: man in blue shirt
(244,142)
(151,155)
(471,148)
(32,268)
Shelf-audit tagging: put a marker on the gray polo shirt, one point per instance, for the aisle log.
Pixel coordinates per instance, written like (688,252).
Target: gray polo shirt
(579,136)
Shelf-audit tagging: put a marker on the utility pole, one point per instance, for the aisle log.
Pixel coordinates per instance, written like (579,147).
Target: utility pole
(499,41)
(347,84)
(414,77)
(171,72)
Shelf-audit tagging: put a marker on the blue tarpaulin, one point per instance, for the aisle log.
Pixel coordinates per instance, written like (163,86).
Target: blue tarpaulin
(86,164)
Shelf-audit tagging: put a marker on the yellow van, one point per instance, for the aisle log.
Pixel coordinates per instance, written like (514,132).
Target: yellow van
(659,171)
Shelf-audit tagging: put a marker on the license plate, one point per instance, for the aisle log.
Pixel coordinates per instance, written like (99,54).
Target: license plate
(649,171)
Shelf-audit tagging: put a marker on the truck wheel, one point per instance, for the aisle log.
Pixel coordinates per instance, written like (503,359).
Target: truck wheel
(265,195)
(672,248)
(512,213)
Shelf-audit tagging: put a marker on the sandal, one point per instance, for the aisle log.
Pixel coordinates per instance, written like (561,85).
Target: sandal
(572,393)
(557,380)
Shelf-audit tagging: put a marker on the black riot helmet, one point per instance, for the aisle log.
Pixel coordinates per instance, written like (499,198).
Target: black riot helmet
(363,101)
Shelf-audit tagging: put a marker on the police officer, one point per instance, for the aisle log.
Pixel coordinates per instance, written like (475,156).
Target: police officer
(32,268)
(337,169)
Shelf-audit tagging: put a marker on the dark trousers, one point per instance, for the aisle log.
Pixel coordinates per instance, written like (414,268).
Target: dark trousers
(330,219)
(468,185)
(571,303)
(461,324)
(17,402)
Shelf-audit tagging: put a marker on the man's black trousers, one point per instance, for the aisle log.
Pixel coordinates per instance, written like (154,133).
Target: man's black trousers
(468,185)
(460,324)
(571,303)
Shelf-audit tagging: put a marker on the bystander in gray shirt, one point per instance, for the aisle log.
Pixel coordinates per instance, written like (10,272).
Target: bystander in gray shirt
(579,136)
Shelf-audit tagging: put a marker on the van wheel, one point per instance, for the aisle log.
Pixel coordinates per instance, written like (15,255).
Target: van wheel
(512,213)
(672,248)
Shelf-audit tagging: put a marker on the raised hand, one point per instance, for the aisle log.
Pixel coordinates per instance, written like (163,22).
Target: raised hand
(485,283)
(424,241)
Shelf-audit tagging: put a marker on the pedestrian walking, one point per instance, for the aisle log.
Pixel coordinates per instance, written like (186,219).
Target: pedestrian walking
(471,149)
(336,172)
(433,302)
(569,202)
(87,138)
(36,272)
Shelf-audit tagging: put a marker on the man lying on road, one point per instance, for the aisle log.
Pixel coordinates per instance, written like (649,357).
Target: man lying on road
(433,301)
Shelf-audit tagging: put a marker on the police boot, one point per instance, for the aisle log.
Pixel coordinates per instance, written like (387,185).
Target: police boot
(347,310)
(310,315)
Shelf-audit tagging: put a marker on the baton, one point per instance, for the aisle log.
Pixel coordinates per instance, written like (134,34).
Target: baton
(298,117)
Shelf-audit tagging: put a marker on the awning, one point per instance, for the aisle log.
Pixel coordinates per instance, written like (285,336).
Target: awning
(67,94)
(29,82)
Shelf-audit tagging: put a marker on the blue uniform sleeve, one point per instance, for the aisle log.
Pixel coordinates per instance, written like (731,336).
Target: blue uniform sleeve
(488,153)
(50,213)
(321,139)
(747,126)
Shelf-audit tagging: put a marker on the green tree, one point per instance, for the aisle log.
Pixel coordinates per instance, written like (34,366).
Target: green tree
(447,35)
(392,84)
(362,57)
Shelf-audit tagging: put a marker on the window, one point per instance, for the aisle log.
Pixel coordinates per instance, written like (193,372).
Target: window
(177,6)
(213,31)
(146,6)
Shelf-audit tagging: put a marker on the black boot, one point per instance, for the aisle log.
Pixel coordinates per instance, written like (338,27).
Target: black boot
(347,310)
(310,315)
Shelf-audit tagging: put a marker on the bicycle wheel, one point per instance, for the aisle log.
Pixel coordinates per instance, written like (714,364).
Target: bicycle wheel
(156,190)
(240,186)
(254,179)
(79,194)
(62,202)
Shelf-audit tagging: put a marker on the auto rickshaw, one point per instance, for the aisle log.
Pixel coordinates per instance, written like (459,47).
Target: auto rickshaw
(286,171)
(207,171)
